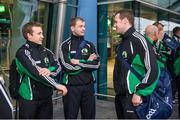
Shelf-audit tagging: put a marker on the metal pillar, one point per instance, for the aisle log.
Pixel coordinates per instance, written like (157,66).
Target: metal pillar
(60,24)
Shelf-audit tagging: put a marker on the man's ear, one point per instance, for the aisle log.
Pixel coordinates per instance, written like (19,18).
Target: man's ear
(72,28)
(125,20)
(29,35)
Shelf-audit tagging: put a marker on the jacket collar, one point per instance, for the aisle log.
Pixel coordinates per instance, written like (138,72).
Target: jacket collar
(149,39)
(77,37)
(32,44)
(128,33)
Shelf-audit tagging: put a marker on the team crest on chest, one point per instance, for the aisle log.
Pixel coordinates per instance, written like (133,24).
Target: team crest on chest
(84,51)
(124,54)
(46,60)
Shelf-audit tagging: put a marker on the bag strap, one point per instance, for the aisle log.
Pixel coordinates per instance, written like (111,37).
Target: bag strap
(81,46)
(128,66)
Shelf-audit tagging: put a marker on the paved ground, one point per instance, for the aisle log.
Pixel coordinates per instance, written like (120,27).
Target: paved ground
(104,110)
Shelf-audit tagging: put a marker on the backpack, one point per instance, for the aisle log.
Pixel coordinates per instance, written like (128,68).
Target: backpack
(14,80)
(171,42)
(159,104)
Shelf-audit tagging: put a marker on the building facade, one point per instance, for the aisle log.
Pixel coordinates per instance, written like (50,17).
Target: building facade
(55,16)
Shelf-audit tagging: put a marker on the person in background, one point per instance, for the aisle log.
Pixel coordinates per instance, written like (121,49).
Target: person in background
(140,55)
(166,56)
(79,59)
(176,35)
(152,36)
(160,27)
(37,67)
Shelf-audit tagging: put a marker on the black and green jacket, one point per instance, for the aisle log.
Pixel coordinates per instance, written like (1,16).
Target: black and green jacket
(160,52)
(140,55)
(29,58)
(83,72)
(163,53)
(177,62)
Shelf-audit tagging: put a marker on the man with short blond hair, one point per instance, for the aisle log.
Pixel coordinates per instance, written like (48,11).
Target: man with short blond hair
(37,67)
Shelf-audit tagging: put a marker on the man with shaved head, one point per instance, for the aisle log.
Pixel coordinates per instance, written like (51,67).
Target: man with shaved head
(152,32)
(152,36)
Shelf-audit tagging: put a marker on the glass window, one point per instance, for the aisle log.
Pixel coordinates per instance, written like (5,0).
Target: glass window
(42,16)
(5,33)
(168,4)
(174,21)
(71,11)
(72,2)
(107,41)
(147,16)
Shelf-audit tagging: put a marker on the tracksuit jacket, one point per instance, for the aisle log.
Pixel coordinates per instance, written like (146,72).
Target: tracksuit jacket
(82,73)
(160,51)
(140,55)
(29,59)
(177,62)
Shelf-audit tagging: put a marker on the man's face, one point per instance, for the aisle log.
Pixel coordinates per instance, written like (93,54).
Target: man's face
(37,35)
(160,32)
(178,34)
(79,28)
(119,24)
(156,35)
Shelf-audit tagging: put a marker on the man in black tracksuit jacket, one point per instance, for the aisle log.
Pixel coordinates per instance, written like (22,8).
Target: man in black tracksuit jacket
(140,55)
(78,76)
(37,66)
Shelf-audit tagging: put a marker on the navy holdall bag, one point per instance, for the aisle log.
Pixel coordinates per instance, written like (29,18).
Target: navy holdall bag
(158,105)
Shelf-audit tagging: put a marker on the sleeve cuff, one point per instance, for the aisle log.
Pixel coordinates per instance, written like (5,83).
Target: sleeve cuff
(51,68)
(83,61)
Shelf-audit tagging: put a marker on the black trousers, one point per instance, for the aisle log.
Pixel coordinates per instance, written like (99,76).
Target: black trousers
(79,97)
(124,107)
(35,109)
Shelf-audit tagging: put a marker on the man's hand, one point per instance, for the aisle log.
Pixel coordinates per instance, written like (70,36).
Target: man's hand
(44,72)
(136,100)
(92,57)
(75,61)
(61,89)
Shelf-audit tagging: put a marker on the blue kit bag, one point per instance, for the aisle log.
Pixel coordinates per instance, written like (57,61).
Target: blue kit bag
(159,104)
(171,42)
